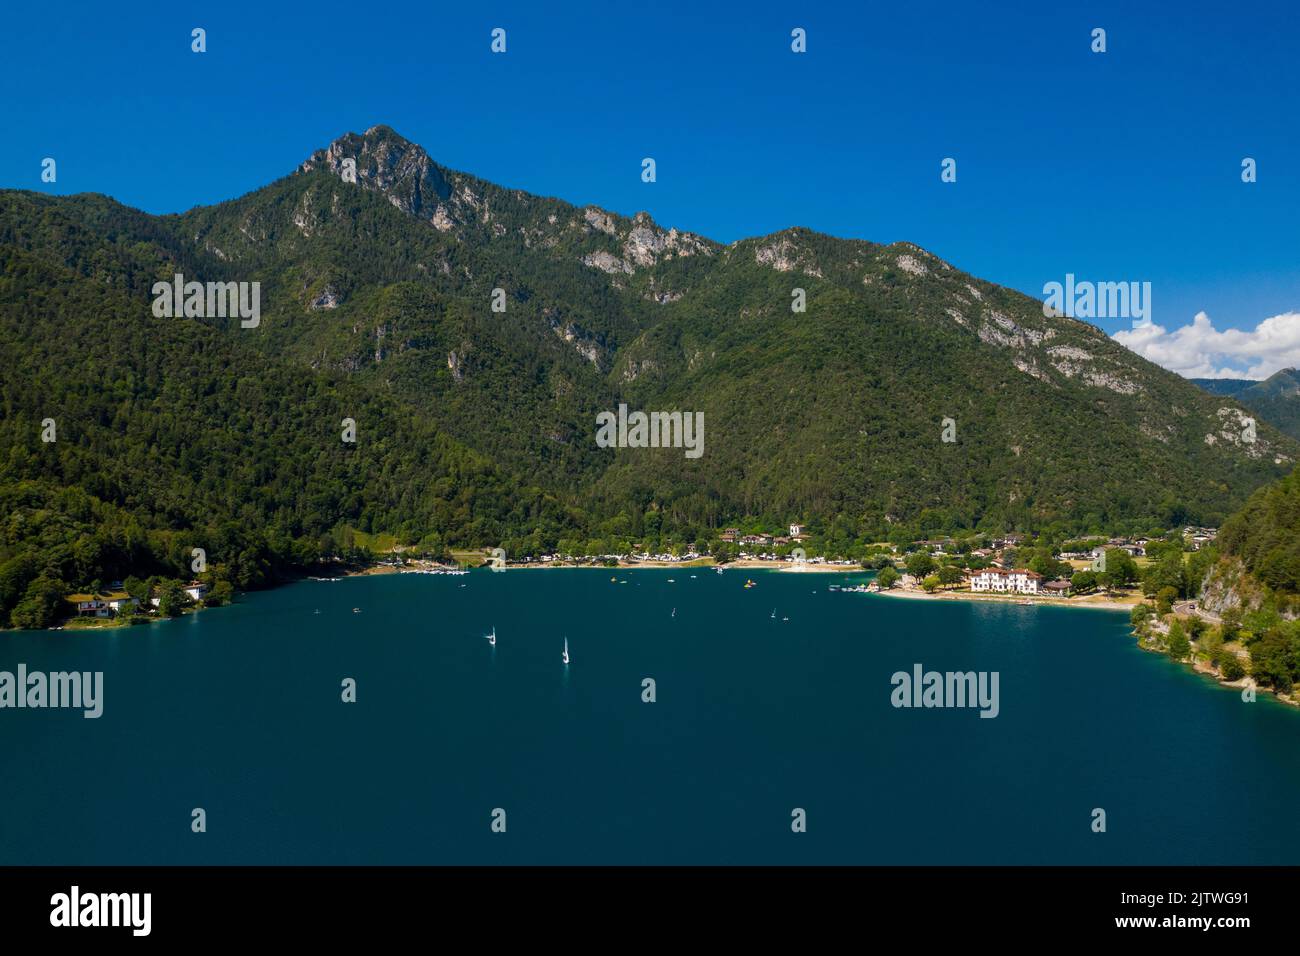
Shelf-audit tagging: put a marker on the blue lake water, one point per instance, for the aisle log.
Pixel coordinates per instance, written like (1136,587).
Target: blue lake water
(238,711)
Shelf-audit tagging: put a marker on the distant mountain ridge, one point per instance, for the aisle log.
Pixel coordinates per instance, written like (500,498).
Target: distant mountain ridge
(1276,399)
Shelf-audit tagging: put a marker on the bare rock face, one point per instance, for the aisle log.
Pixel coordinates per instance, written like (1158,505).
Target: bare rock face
(600,220)
(1229,586)
(577,337)
(644,244)
(636,368)
(606,262)
(784,254)
(326,299)
(389,164)
(1238,429)
(912,265)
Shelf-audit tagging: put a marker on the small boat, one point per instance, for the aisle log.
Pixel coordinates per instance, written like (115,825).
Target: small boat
(356,610)
(718,569)
(674,614)
(566,650)
(785,619)
(750,584)
(671,581)
(1025,601)
(613,580)
(774,614)
(492,638)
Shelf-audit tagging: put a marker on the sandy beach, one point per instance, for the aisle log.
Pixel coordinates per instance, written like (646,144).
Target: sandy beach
(1096,601)
(750,565)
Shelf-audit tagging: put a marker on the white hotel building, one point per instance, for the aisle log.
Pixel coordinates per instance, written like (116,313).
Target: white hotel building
(1005,582)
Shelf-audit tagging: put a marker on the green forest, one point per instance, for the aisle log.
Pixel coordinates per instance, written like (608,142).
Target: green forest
(127,440)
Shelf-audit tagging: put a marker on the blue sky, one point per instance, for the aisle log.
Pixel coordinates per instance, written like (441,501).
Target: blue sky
(1117,166)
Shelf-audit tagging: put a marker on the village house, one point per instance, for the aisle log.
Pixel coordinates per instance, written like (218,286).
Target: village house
(1014,581)
(730,535)
(102,605)
(1057,588)
(796,530)
(90,604)
(937,546)
(195,591)
(124,601)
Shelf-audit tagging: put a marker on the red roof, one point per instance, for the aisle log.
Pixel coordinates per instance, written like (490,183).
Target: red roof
(1003,571)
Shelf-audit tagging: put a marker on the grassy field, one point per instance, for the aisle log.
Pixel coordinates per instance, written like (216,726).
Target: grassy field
(378,543)
(472,558)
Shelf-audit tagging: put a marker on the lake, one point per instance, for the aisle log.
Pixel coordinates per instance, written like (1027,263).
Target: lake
(238,711)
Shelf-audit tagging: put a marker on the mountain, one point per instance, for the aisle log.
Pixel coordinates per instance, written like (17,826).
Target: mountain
(1225,386)
(1254,585)
(1276,399)
(1263,540)
(476,427)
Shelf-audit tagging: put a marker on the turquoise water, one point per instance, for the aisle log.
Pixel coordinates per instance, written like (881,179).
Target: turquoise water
(238,711)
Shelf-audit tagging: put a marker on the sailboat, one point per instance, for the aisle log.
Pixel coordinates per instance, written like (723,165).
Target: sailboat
(566,650)
(492,638)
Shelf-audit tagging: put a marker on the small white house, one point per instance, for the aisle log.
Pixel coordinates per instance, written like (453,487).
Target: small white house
(95,606)
(195,591)
(796,529)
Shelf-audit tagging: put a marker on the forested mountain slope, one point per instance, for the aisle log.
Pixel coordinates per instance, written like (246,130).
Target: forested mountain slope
(476,427)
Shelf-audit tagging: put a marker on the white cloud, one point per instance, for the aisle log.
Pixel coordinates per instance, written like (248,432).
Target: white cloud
(1200,350)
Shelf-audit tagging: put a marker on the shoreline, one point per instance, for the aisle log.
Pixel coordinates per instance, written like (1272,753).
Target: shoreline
(705,563)
(1101,604)
(1094,602)
(1204,668)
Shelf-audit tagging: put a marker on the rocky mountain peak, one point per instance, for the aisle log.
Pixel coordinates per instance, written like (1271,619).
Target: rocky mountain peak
(388,163)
